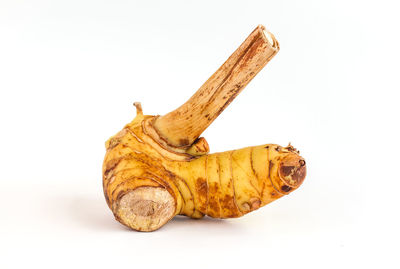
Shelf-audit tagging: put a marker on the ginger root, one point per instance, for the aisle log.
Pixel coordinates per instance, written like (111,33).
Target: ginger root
(157,167)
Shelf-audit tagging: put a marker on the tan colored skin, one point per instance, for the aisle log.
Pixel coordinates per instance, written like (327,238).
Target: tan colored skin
(181,127)
(158,167)
(220,185)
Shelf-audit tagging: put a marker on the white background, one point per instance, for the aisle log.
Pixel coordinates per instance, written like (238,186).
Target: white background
(70,71)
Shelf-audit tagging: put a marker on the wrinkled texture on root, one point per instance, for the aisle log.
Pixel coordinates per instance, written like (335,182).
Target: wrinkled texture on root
(146,208)
(181,127)
(158,167)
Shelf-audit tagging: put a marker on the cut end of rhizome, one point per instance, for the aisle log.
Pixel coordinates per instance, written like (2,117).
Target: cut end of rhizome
(268,36)
(292,171)
(145,209)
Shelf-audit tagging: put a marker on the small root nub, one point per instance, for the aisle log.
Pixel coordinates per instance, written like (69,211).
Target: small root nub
(139,109)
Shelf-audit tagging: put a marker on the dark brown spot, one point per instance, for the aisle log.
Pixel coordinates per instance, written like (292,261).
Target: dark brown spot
(229,204)
(286,188)
(238,86)
(213,188)
(278,148)
(270,165)
(213,208)
(299,174)
(201,186)
(286,170)
(292,170)
(184,142)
